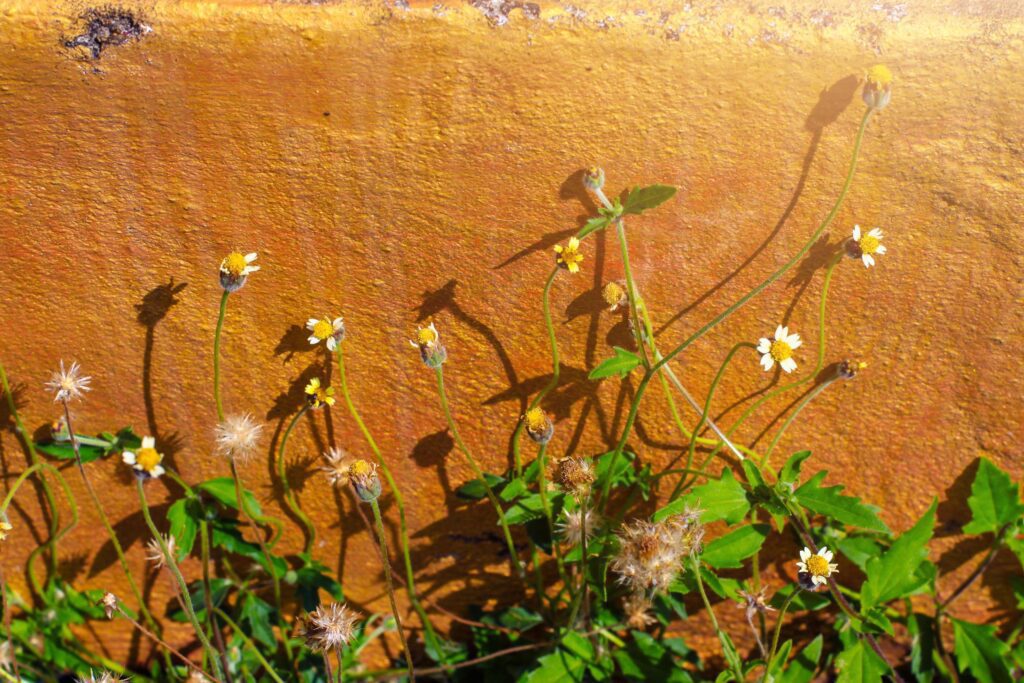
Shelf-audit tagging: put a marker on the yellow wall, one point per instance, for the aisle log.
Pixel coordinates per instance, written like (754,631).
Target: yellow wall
(398,164)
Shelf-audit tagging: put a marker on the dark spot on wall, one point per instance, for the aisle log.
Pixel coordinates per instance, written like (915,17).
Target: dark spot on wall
(105,27)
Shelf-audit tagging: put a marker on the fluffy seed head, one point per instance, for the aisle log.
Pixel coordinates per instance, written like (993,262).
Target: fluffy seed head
(651,555)
(238,437)
(576,475)
(68,383)
(329,627)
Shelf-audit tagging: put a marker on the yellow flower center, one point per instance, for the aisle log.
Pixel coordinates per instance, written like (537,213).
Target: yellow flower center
(425,336)
(360,468)
(817,565)
(880,76)
(536,419)
(235,263)
(780,350)
(613,293)
(323,329)
(147,458)
(868,244)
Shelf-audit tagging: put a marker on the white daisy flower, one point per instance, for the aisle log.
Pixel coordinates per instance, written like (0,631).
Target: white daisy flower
(780,350)
(325,329)
(235,268)
(817,565)
(865,246)
(145,460)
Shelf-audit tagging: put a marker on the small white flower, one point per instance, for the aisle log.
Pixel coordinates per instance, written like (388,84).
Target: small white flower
(68,384)
(780,350)
(235,269)
(817,565)
(866,246)
(145,460)
(238,437)
(325,329)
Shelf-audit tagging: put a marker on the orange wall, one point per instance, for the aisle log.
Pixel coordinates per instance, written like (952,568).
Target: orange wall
(394,165)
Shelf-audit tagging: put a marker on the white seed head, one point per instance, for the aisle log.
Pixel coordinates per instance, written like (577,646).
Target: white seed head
(329,627)
(238,437)
(68,383)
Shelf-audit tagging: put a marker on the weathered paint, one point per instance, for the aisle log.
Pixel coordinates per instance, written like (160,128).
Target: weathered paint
(400,164)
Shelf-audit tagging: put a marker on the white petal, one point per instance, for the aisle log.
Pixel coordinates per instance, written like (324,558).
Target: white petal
(802,567)
(789,365)
(794,341)
(875,232)
(157,471)
(128,458)
(823,551)
(781,332)
(311,323)
(881,249)
(148,442)
(251,269)
(856,232)
(249,258)
(820,580)
(338,322)
(764,346)
(767,361)
(331,344)
(868,260)
(313,340)
(414,344)
(805,554)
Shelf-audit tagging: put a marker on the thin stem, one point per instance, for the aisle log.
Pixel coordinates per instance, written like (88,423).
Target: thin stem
(711,613)
(253,647)
(33,459)
(289,497)
(978,571)
(160,641)
(211,618)
(631,416)
(792,416)
(382,539)
(513,556)
(216,355)
(546,506)
(410,579)
(778,626)
(172,565)
(581,597)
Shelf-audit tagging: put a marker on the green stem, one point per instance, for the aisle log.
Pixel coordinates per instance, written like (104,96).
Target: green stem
(545,504)
(792,416)
(182,586)
(556,369)
(253,647)
(382,539)
(289,495)
(778,626)
(216,355)
(410,578)
(711,614)
(33,459)
(244,512)
(513,556)
(211,618)
(634,407)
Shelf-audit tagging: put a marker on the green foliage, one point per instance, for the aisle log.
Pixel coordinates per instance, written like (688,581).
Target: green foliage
(995,500)
(91,448)
(830,502)
(641,199)
(981,652)
(894,574)
(621,364)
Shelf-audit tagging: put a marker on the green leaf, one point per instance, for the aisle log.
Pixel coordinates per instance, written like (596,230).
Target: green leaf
(892,575)
(858,663)
(525,509)
(722,498)
(622,363)
(64,451)
(772,668)
(223,490)
(803,666)
(641,199)
(979,650)
(520,618)
(922,647)
(831,503)
(994,501)
(727,551)
(183,526)
(859,549)
(593,225)
(556,667)
(475,490)
(623,473)
(258,612)
(790,472)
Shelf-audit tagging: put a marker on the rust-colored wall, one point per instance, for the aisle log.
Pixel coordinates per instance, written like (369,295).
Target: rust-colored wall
(400,164)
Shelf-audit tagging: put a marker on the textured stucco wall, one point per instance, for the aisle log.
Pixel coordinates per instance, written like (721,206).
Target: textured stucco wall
(397,164)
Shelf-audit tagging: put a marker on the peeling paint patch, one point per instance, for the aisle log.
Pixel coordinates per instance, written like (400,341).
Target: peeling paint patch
(106,27)
(497,11)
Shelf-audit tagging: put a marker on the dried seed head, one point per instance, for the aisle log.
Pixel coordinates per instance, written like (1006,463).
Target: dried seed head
(109,603)
(69,383)
(538,425)
(615,295)
(238,437)
(754,603)
(651,555)
(574,526)
(101,677)
(637,607)
(155,550)
(576,475)
(329,627)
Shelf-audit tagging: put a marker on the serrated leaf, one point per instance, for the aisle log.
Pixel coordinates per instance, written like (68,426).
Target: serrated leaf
(830,502)
(593,225)
(525,509)
(982,653)
(722,498)
(641,199)
(623,473)
(223,490)
(803,666)
(739,544)
(790,472)
(858,663)
(994,501)
(475,489)
(556,667)
(892,575)
(622,363)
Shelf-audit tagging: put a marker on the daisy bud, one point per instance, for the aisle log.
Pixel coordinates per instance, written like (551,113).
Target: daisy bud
(538,425)
(576,475)
(235,269)
(365,480)
(848,369)
(432,351)
(877,87)
(109,603)
(615,295)
(593,178)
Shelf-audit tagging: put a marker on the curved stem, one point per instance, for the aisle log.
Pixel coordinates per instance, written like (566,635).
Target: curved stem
(289,495)
(410,579)
(253,647)
(778,626)
(172,565)
(711,613)
(382,539)
(792,416)
(513,556)
(216,355)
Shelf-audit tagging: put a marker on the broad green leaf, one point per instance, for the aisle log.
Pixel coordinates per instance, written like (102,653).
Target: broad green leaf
(183,526)
(773,667)
(525,509)
(859,549)
(803,666)
(623,473)
(622,363)
(832,503)
(475,489)
(520,618)
(646,659)
(64,451)
(727,551)
(805,601)
(994,501)
(858,663)
(258,613)
(892,575)
(557,667)
(593,225)
(980,651)
(790,472)
(223,490)
(722,498)
(640,199)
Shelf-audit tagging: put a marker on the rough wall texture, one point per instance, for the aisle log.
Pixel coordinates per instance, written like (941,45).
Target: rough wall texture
(400,164)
